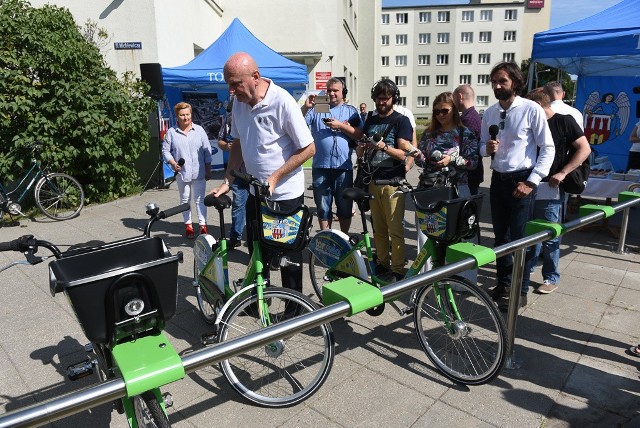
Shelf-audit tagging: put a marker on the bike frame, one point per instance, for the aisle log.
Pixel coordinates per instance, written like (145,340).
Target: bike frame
(39,172)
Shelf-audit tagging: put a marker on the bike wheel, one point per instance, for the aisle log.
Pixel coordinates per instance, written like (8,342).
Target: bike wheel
(318,273)
(209,302)
(59,196)
(148,411)
(284,372)
(465,337)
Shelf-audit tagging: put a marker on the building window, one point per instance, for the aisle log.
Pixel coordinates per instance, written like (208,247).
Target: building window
(423,80)
(509,56)
(465,79)
(442,59)
(385,61)
(467,16)
(401,80)
(484,58)
(385,18)
(401,39)
(466,37)
(401,60)
(424,17)
(442,80)
(466,58)
(443,37)
(385,40)
(444,16)
(424,38)
(424,59)
(402,18)
(509,36)
(485,36)
(482,100)
(483,79)
(486,15)
(402,101)
(510,14)
(422,102)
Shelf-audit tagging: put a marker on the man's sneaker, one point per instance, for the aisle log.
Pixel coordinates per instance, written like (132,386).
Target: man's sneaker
(381,270)
(503,305)
(499,292)
(547,287)
(189,233)
(203,229)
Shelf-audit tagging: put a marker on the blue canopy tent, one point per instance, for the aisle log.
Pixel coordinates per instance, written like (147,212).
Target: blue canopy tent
(603,50)
(201,82)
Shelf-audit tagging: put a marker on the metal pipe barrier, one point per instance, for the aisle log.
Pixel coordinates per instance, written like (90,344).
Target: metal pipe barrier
(77,401)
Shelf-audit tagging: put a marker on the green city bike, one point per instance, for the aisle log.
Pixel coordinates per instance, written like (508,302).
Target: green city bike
(284,372)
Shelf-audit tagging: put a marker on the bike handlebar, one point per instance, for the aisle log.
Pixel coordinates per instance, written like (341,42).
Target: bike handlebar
(261,186)
(173,211)
(395,181)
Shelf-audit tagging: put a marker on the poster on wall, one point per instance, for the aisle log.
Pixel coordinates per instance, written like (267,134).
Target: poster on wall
(610,109)
(208,112)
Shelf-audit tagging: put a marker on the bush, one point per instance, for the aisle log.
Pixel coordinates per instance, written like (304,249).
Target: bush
(56,88)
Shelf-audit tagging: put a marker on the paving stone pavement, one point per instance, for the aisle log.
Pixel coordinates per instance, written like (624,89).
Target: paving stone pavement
(571,344)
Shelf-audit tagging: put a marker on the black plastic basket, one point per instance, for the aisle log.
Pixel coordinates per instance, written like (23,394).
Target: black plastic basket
(449,220)
(284,230)
(100,283)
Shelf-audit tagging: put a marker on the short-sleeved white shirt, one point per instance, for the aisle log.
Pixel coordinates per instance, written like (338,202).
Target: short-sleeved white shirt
(270,133)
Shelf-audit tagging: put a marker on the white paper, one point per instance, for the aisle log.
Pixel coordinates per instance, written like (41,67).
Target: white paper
(546,192)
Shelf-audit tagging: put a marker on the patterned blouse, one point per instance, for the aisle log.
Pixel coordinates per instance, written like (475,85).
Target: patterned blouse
(463,149)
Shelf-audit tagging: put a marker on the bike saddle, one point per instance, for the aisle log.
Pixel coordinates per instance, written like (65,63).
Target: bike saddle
(356,194)
(219,202)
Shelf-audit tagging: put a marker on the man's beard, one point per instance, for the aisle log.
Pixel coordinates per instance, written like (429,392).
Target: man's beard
(503,94)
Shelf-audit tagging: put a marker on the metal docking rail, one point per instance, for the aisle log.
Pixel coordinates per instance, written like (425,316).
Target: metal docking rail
(465,258)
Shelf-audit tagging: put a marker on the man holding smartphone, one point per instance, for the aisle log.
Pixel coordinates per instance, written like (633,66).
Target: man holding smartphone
(332,169)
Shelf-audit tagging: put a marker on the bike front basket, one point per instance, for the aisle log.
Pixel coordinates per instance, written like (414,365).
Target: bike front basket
(119,289)
(449,220)
(284,230)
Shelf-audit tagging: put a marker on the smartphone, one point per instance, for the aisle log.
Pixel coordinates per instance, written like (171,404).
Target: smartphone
(321,104)
(326,119)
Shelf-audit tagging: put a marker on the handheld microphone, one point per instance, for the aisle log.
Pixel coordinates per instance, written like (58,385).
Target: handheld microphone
(493,133)
(180,164)
(436,155)
(376,138)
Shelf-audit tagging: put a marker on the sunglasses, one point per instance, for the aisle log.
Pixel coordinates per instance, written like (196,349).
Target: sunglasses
(437,112)
(503,116)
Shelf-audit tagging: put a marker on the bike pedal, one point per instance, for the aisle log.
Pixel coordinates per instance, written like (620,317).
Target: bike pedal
(208,339)
(82,369)
(168,399)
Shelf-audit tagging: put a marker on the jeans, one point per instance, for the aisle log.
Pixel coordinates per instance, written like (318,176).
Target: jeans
(328,185)
(509,216)
(291,275)
(549,210)
(240,191)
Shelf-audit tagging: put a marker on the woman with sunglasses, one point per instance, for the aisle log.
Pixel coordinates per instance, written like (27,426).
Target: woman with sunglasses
(456,144)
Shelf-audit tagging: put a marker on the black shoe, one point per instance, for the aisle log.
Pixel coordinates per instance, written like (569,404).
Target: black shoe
(499,293)
(503,304)
(292,310)
(398,276)
(234,243)
(381,270)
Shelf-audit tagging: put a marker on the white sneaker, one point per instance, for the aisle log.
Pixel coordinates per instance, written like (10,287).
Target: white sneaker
(547,287)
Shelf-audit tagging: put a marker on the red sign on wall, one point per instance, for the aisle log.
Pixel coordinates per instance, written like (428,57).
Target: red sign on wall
(535,4)
(323,75)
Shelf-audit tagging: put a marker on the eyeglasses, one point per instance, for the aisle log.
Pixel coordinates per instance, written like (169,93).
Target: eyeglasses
(437,112)
(503,117)
(382,99)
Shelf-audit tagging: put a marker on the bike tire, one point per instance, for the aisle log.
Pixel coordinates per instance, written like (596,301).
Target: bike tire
(285,372)
(148,412)
(59,196)
(317,272)
(473,349)
(209,302)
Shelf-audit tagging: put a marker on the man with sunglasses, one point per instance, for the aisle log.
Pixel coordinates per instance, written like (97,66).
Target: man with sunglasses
(516,135)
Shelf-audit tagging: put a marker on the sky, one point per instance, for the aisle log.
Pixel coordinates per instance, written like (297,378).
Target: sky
(565,12)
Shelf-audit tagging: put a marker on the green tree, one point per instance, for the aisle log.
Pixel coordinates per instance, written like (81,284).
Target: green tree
(545,74)
(56,88)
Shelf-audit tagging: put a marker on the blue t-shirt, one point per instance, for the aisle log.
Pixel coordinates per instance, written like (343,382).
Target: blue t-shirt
(332,147)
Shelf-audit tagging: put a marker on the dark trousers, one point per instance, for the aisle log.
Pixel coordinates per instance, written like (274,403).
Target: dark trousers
(291,275)
(509,216)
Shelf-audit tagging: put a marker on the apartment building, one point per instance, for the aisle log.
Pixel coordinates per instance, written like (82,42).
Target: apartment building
(429,47)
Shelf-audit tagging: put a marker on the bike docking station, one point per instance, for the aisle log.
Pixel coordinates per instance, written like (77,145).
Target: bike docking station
(462,256)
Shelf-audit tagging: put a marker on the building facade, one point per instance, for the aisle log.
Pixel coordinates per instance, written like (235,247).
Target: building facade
(429,47)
